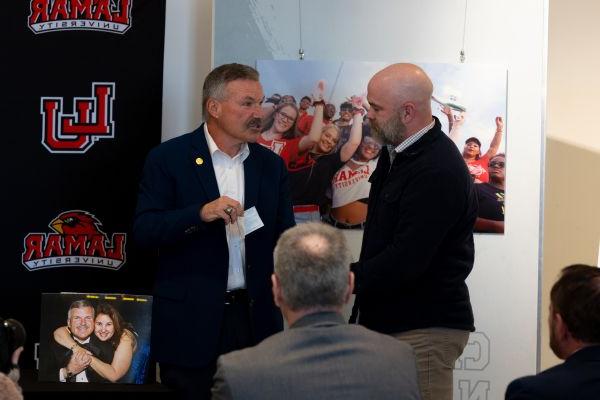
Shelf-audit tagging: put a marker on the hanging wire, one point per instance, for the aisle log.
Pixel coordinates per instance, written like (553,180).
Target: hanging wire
(337,77)
(300,50)
(462,50)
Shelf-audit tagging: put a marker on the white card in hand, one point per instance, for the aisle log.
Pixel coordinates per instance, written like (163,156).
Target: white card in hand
(252,220)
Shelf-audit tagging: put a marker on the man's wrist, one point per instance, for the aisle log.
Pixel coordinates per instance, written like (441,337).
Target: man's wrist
(68,374)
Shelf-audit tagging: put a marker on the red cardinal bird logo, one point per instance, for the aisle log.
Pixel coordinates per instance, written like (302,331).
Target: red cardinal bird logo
(77,240)
(77,223)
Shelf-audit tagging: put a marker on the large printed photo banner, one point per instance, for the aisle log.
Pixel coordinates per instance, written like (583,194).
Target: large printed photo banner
(82,106)
(469,101)
(102,337)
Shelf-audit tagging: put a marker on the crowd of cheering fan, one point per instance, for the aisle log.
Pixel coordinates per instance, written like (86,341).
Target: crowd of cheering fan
(330,157)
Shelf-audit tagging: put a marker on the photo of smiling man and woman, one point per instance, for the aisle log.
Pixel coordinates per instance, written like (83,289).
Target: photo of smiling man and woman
(315,116)
(88,337)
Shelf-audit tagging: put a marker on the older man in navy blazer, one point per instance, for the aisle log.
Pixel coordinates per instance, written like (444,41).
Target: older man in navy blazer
(197,195)
(574,337)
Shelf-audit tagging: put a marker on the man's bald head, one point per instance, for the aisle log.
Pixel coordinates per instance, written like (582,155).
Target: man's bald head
(400,96)
(312,264)
(407,83)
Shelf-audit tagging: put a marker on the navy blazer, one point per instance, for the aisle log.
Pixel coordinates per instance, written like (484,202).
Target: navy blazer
(578,378)
(178,179)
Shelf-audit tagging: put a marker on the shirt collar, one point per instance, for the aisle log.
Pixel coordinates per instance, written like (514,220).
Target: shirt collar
(85,341)
(414,138)
(213,148)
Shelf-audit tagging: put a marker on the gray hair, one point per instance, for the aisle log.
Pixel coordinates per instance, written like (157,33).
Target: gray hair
(218,78)
(312,262)
(79,304)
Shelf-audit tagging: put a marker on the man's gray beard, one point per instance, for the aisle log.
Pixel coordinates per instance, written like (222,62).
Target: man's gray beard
(392,132)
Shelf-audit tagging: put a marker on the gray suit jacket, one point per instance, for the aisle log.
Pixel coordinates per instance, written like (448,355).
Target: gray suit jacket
(320,357)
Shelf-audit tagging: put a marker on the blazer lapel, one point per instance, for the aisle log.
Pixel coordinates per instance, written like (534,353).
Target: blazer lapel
(202,162)
(252,172)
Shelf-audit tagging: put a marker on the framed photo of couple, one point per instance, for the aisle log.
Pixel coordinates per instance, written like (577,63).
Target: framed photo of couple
(95,337)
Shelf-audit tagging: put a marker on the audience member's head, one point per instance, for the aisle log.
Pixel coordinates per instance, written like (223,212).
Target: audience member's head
(312,270)
(497,169)
(9,390)
(305,103)
(275,98)
(346,111)
(329,111)
(575,310)
(472,148)
(289,99)
(282,121)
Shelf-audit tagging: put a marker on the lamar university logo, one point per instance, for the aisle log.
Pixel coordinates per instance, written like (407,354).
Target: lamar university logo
(77,241)
(96,15)
(91,120)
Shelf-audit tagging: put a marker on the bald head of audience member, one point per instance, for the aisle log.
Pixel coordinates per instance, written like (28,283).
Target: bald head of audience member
(312,271)
(400,99)
(575,310)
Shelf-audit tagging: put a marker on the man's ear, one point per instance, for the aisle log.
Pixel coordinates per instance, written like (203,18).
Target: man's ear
(350,287)
(213,107)
(277,295)
(561,328)
(408,112)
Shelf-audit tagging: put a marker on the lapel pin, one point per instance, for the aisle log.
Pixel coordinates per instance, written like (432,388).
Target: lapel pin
(199,161)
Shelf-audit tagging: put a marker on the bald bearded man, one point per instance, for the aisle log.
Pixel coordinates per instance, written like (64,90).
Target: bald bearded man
(417,246)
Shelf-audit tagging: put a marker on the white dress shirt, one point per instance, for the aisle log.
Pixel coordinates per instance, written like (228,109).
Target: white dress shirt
(230,179)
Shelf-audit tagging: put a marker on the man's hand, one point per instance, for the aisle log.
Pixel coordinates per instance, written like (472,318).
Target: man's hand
(224,208)
(78,363)
(79,351)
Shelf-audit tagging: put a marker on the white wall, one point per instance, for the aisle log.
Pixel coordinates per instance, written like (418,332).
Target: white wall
(188,58)
(572,220)
(504,283)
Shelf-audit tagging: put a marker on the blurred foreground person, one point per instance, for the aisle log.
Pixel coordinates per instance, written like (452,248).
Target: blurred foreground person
(574,322)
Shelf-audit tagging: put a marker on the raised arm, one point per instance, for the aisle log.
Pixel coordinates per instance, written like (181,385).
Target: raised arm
(495,144)
(308,141)
(455,123)
(121,360)
(63,337)
(349,148)
(447,111)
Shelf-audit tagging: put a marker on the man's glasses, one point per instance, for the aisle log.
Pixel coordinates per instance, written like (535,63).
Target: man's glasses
(286,117)
(497,164)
